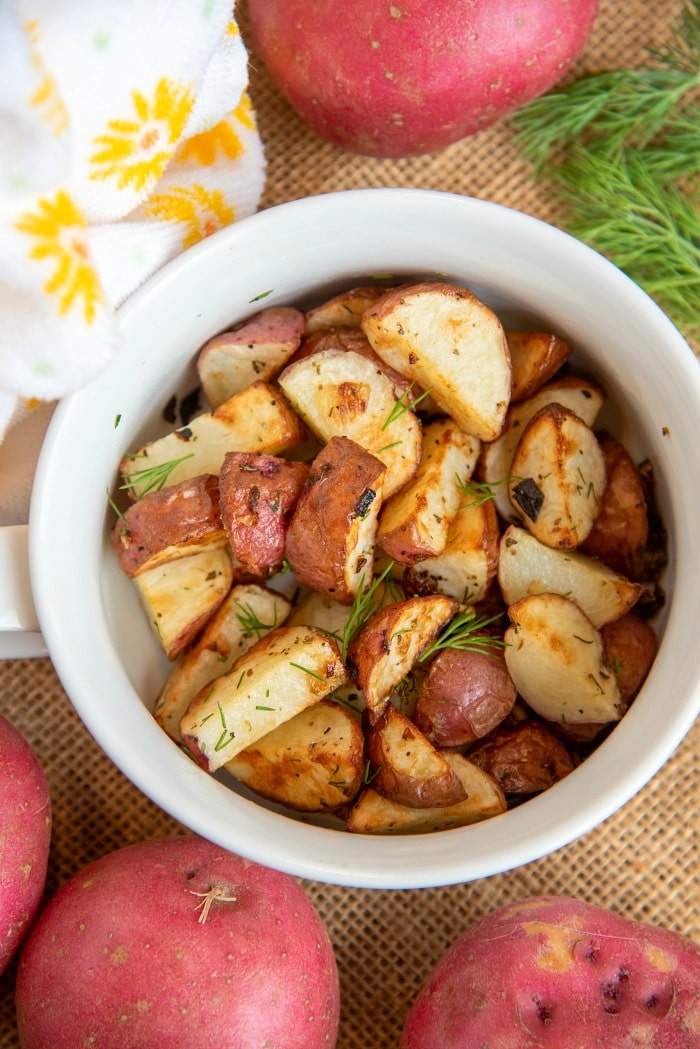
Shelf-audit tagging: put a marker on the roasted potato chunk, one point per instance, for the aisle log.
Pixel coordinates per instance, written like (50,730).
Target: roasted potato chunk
(284,672)
(535,357)
(312,763)
(415,522)
(330,539)
(344,309)
(559,477)
(340,393)
(256,349)
(527,566)
(621,529)
(170,523)
(494,468)
(181,596)
(258,495)
(523,760)
(258,419)
(391,641)
(465,695)
(405,767)
(436,333)
(630,648)
(374,814)
(557,661)
(247,613)
(467,566)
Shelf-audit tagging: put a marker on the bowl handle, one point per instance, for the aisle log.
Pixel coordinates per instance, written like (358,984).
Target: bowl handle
(20,635)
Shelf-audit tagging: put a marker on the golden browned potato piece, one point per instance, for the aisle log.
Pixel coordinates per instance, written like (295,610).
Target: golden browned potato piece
(619,534)
(523,760)
(258,419)
(254,349)
(289,669)
(415,522)
(344,309)
(630,647)
(465,695)
(535,358)
(312,763)
(173,522)
(494,468)
(258,494)
(374,814)
(354,339)
(330,539)
(181,596)
(437,333)
(558,478)
(405,767)
(390,642)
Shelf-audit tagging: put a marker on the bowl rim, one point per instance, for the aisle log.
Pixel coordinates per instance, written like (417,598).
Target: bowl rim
(304,850)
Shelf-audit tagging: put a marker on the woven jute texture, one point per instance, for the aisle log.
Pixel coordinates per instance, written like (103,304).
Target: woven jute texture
(643,862)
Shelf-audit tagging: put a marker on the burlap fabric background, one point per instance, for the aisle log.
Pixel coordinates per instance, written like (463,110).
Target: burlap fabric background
(644,862)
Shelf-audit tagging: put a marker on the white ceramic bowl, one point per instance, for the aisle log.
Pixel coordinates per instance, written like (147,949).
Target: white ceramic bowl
(530,273)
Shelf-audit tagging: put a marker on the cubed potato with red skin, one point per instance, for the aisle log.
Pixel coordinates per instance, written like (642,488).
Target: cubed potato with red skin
(354,339)
(535,971)
(176,942)
(25,837)
(258,494)
(330,539)
(535,358)
(525,759)
(620,531)
(464,696)
(176,521)
(630,648)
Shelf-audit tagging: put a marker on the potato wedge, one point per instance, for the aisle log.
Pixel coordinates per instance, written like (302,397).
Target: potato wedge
(330,539)
(558,478)
(258,495)
(316,609)
(527,566)
(580,396)
(391,641)
(355,339)
(340,393)
(312,763)
(535,357)
(258,419)
(344,309)
(557,661)
(621,530)
(405,767)
(248,612)
(415,522)
(630,648)
(374,814)
(181,596)
(256,349)
(467,565)
(164,525)
(284,672)
(526,759)
(445,339)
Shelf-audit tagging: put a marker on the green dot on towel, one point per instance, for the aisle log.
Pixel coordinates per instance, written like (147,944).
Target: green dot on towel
(101,40)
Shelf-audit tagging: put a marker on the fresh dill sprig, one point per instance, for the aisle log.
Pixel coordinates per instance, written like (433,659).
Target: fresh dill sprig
(365,604)
(479,492)
(404,405)
(153,478)
(621,150)
(251,623)
(465,632)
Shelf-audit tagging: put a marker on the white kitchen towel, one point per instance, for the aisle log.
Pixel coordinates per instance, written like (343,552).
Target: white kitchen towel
(126,135)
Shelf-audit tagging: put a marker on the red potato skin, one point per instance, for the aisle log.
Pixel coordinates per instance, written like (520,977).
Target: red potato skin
(25,837)
(553,972)
(119,958)
(392,80)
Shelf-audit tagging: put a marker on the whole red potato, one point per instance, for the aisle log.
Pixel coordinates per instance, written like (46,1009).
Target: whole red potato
(555,972)
(177,944)
(391,79)
(25,836)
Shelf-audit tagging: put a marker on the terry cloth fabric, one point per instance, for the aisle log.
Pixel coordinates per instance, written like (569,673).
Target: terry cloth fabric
(126,135)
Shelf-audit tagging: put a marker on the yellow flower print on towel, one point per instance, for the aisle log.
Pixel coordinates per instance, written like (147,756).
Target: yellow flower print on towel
(201,211)
(58,229)
(136,150)
(222,140)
